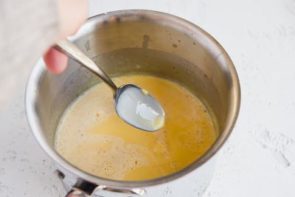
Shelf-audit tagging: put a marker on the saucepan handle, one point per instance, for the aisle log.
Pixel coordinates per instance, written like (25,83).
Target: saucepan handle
(103,191)
(77,193)
(82,188)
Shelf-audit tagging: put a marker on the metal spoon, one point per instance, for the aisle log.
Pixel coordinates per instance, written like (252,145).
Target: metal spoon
(133,104)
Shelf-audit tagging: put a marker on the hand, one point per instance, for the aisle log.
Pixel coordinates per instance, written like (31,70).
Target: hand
(72,14)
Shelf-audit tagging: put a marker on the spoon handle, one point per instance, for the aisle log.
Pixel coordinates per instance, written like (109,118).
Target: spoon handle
(69,48)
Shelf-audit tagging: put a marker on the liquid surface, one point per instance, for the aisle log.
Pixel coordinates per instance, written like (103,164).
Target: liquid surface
(93,138)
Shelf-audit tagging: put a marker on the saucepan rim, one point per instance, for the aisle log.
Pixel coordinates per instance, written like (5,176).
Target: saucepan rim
(39,69)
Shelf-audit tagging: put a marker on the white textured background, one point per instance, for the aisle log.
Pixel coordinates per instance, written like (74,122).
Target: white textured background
(259,158)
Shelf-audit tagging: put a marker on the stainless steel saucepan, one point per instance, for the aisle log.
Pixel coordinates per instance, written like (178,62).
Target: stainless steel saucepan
(138,41)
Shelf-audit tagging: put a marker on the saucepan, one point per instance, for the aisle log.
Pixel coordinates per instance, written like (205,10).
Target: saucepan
(138,41)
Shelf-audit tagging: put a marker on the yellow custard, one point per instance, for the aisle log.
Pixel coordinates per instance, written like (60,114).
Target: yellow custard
(93,138)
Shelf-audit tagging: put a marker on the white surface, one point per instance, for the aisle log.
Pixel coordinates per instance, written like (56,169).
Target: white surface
(259,158)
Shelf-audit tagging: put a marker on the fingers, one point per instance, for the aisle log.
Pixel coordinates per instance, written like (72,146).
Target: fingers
(72,14)
(56,61)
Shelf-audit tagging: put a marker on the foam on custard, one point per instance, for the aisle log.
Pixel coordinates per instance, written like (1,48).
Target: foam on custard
(92,137)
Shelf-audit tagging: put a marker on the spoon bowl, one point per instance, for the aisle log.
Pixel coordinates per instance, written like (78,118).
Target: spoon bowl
(138,108)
